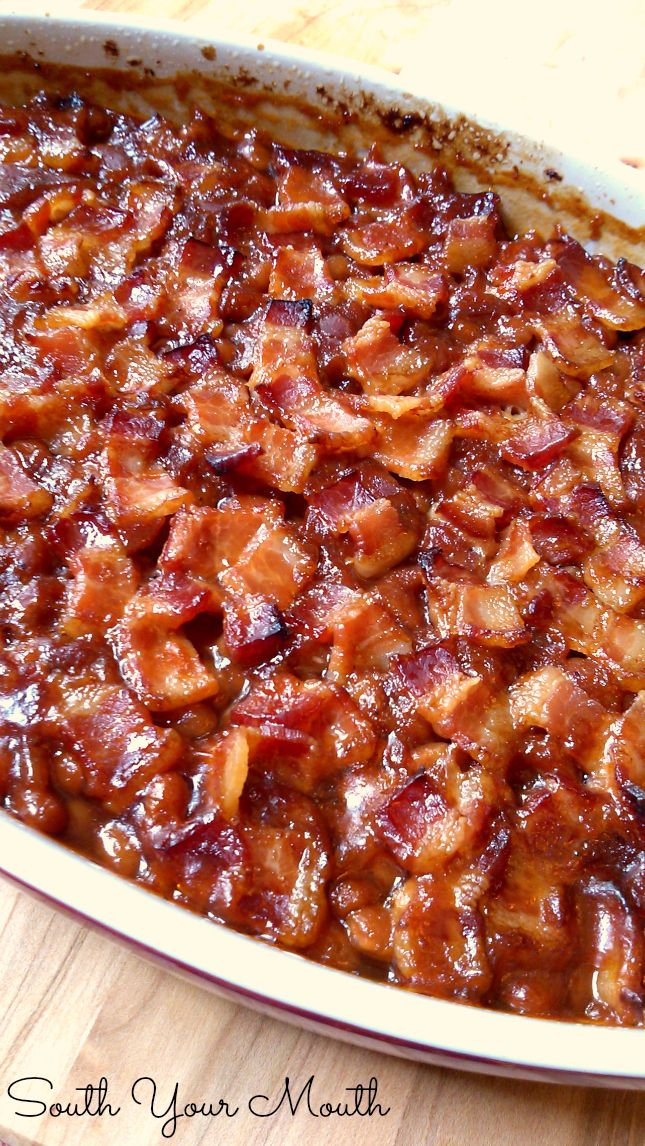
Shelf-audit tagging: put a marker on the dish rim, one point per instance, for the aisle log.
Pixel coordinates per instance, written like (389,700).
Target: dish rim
(382,1015)
(466,1037)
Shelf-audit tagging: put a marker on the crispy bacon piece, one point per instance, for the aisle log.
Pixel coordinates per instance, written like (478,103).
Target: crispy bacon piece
(413,286)
(458,704)
(202,543)
(434,815)
(497,485)
(29,408)
(192,295)
(433,679)
(577,350)
(622,641)
(151,206)
(522,278)
(313,614)
(219,414)
(161,666)
(254,629)
(215,408)
(472,511)
(365,635)
(381,537)
(68,351)
(138,492)
(626,749)
(487,614)
(439,941)
(380,362)
(306,201)
(546,384)
(597,631)
(535,444)
(103,315)
(285,376)
(308,729)
(207,540)
(223,761)
(515,556)
(608,983)
(283,344)
(594,288)
(136,368)
(20,185)
(616,575)
(377,184)
(290,857)
(469,243)
(138,503)
(104,581)
(558,540)
(274,563)
(397,234)
(549,699)
(613,419)
(300,274)
(119,747)
(588,507)
(503,384)
(284,702)
(306,407)
(377,514)
(20,497)
(413,447)
(632,466)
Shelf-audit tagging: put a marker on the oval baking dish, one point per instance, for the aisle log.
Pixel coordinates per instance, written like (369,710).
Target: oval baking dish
(308,101)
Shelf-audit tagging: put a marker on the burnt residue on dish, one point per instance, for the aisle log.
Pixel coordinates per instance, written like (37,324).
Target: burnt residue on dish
(409,132)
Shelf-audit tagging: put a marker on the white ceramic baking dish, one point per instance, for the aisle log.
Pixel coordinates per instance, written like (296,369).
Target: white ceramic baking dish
(351,108)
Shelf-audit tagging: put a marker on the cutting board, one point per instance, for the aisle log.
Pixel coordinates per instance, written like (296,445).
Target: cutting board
(76,1007)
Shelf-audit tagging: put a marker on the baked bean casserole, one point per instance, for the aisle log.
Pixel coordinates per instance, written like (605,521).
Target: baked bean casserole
(323,554)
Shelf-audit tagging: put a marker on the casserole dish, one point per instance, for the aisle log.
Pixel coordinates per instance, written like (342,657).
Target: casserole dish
(279,94)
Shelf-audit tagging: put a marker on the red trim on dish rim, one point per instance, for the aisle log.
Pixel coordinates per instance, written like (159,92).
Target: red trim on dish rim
(385,1043)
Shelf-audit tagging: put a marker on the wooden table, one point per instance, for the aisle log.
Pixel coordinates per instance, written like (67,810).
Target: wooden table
(75,1006)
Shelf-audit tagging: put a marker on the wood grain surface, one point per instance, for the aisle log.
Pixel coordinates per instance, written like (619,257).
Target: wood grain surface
(74,1005)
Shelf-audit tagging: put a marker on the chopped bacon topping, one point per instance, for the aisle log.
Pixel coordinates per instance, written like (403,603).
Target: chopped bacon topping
(416,288)
(535,445)
(322,554)
(161,666)
(470,243)
(398,234)
(286,379)
(118,747)
(20,496)
(416,448)
(605,299)
(487,614)
(305,201)
(274,562)
(105,580)
(437,813)
(220,417)
(224,765)
(380,362)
